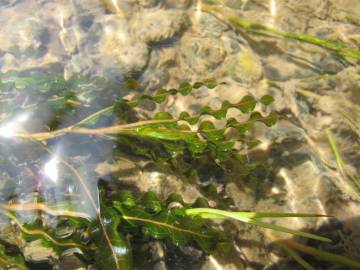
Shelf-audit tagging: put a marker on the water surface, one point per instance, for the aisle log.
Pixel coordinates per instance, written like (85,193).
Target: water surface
(61,61)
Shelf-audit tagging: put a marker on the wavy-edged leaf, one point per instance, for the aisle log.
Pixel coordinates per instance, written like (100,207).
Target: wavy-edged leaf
(117,255)
(168,131)
(221,151)
(161,95)
(267,100)
(192,120)
(163,116)
(245,126)
(269,120)
(185,88)
(209,131)
(245,105)
(211,84)
(33,231)
(151,218)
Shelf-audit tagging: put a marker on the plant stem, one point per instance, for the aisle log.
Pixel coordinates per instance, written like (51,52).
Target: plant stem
(44,208)
(124,129)
(90,197)
(39,232)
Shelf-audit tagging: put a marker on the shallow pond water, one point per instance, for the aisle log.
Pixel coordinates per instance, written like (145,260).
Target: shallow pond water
(65,66)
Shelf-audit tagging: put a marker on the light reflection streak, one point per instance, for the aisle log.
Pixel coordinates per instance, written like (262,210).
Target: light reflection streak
(291,191)
(273,12)
(115,5)
(243,5)
(264,145)
(120,250)
(214,263)
(10,129)
(198,11)
(273,8)
(61,22)
(51,169)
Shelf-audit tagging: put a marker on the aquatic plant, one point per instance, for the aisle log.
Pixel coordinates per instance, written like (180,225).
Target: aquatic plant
(229,16)
(105,239)
(355,182)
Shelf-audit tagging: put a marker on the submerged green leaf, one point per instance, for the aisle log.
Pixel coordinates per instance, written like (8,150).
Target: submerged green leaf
(185,88)
(177,140)
(341,164)
(267,100)
(47,235)
(155,220)
(253,218)
(118,254)
(319,254)
(296,256)
(340,48)
(163,116)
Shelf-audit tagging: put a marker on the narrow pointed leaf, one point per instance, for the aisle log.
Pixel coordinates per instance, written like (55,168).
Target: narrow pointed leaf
(248,217)
(321,255)
(296,256)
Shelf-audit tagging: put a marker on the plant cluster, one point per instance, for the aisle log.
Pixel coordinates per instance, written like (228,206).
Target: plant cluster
(105,238)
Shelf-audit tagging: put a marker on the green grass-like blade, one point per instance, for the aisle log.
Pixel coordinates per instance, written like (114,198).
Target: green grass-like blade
(219,213)
(321,255)
(296,256)
(287,230)
(257,28)
(340,162)
(253,218)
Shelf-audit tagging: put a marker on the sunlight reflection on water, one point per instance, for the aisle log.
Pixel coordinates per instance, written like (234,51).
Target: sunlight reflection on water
(9,129)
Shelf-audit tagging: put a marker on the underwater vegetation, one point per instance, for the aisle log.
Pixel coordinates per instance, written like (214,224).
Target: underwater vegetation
(102,224)
(54,132)
(236,21)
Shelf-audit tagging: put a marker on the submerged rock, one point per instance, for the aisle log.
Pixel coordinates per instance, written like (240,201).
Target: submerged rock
(157,73)
(107,45)
(36,253)
(154,79)
(208,25)
(178,3)
(246,67)
(202,55)
(117,6)
(120,49)
(70,260)
(237,4)
(148,3)
(154,25)
(8,3)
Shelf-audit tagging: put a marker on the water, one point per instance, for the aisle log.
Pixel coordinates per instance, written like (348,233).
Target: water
(62,61)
